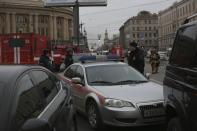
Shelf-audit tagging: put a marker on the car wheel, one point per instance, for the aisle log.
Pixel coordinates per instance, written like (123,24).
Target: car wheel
(94,118)
(174,125)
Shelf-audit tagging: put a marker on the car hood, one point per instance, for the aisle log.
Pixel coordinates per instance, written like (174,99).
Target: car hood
(135,93)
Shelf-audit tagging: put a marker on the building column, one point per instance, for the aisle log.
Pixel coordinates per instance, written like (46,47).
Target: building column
(51,27)
(55,27)
(13,23)
(7,22)
(31,30)
(36,24)
(65,29)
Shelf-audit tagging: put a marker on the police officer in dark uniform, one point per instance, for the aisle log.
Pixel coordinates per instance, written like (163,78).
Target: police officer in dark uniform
(136,57)
(45,60)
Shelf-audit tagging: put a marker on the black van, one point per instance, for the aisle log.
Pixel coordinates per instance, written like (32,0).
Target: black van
(180,82)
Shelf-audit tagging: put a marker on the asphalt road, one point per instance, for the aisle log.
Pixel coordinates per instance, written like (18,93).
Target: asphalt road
(82,120)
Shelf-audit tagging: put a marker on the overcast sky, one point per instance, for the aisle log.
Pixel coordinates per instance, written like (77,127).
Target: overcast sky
(111,17)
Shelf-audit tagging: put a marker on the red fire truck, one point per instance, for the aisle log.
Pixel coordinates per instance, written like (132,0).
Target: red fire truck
(119,51)
(59,52)
(20,48)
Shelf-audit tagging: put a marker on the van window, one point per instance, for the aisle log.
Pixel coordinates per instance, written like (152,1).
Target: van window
(184,50)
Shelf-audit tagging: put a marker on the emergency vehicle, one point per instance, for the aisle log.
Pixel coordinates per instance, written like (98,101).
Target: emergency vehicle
(119,51)
(21,48)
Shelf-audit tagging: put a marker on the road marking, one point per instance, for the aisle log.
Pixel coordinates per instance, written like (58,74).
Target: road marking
(158,82)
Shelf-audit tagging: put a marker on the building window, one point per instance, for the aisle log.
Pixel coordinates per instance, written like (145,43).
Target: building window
(145,21)
(134,28)
(133,35)
(145,35)
(150,34)
(149,21)
(138,35)
(149,28)
(138,28)
(145,28)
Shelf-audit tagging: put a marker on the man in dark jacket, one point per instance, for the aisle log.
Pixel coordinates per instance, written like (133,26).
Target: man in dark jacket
(136,57)
(45,60)
(69,59)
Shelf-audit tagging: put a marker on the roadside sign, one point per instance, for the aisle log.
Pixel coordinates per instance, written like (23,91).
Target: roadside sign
(16,42)
(70,3)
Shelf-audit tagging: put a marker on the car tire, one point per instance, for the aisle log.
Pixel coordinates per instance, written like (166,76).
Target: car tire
(94,118)
(174,125)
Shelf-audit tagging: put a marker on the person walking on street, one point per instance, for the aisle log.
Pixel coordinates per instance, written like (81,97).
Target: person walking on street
(136,57)
(45,60)
(154,61)
(69,59)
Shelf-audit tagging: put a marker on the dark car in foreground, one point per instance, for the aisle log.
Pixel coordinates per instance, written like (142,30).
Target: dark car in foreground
(180,83)
(34,99)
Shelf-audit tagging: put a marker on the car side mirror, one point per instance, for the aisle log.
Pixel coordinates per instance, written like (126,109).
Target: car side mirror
(147,75)
(36,125)
(77,80)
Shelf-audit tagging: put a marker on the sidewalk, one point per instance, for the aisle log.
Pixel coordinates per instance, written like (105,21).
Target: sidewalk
(160,75)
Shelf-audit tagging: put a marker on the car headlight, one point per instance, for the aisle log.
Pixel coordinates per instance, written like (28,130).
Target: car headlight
(117,103)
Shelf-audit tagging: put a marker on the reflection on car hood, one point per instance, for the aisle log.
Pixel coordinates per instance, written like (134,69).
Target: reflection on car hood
(135,93)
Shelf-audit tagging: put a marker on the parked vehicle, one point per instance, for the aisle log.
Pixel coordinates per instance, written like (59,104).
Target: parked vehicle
(59,53)
(25,48)
(34,99)
(119,51)
(180,83)
(114,93)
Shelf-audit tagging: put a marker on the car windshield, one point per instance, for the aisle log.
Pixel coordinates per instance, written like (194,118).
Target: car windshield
(113,75)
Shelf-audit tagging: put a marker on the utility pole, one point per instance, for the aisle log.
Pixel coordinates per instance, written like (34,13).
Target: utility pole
(76,22)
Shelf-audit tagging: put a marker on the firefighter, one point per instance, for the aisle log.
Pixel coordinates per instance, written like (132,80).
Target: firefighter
(154,61)
(45,60)
(136,57)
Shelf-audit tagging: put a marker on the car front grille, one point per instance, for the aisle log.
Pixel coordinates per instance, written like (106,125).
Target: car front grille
(152,110)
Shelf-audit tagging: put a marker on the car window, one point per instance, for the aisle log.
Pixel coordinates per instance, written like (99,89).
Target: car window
(70,72)
(30,103)
(183,53)
(46,85)
(80,73)
(112,74)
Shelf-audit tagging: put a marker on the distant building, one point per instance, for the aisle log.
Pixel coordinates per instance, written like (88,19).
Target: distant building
(108,43)
(142,29)
(170,20)
(27,16)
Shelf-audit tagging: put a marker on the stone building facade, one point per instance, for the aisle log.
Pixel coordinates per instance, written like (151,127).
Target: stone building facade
(27,16)
(142,29)
(171,19)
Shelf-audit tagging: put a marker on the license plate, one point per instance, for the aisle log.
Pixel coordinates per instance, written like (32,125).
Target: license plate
(154,113)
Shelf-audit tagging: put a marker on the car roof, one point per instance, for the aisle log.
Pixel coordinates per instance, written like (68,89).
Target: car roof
(91,64)
(11,72)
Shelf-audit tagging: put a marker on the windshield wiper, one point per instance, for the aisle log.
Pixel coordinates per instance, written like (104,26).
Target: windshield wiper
(131,81)
(102,82)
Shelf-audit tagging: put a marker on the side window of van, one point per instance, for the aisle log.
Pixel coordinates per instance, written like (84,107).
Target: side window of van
(185,46)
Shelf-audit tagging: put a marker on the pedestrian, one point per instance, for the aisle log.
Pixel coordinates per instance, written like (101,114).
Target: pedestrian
(136,57)
(69,59)
(154,61)
(45,60)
